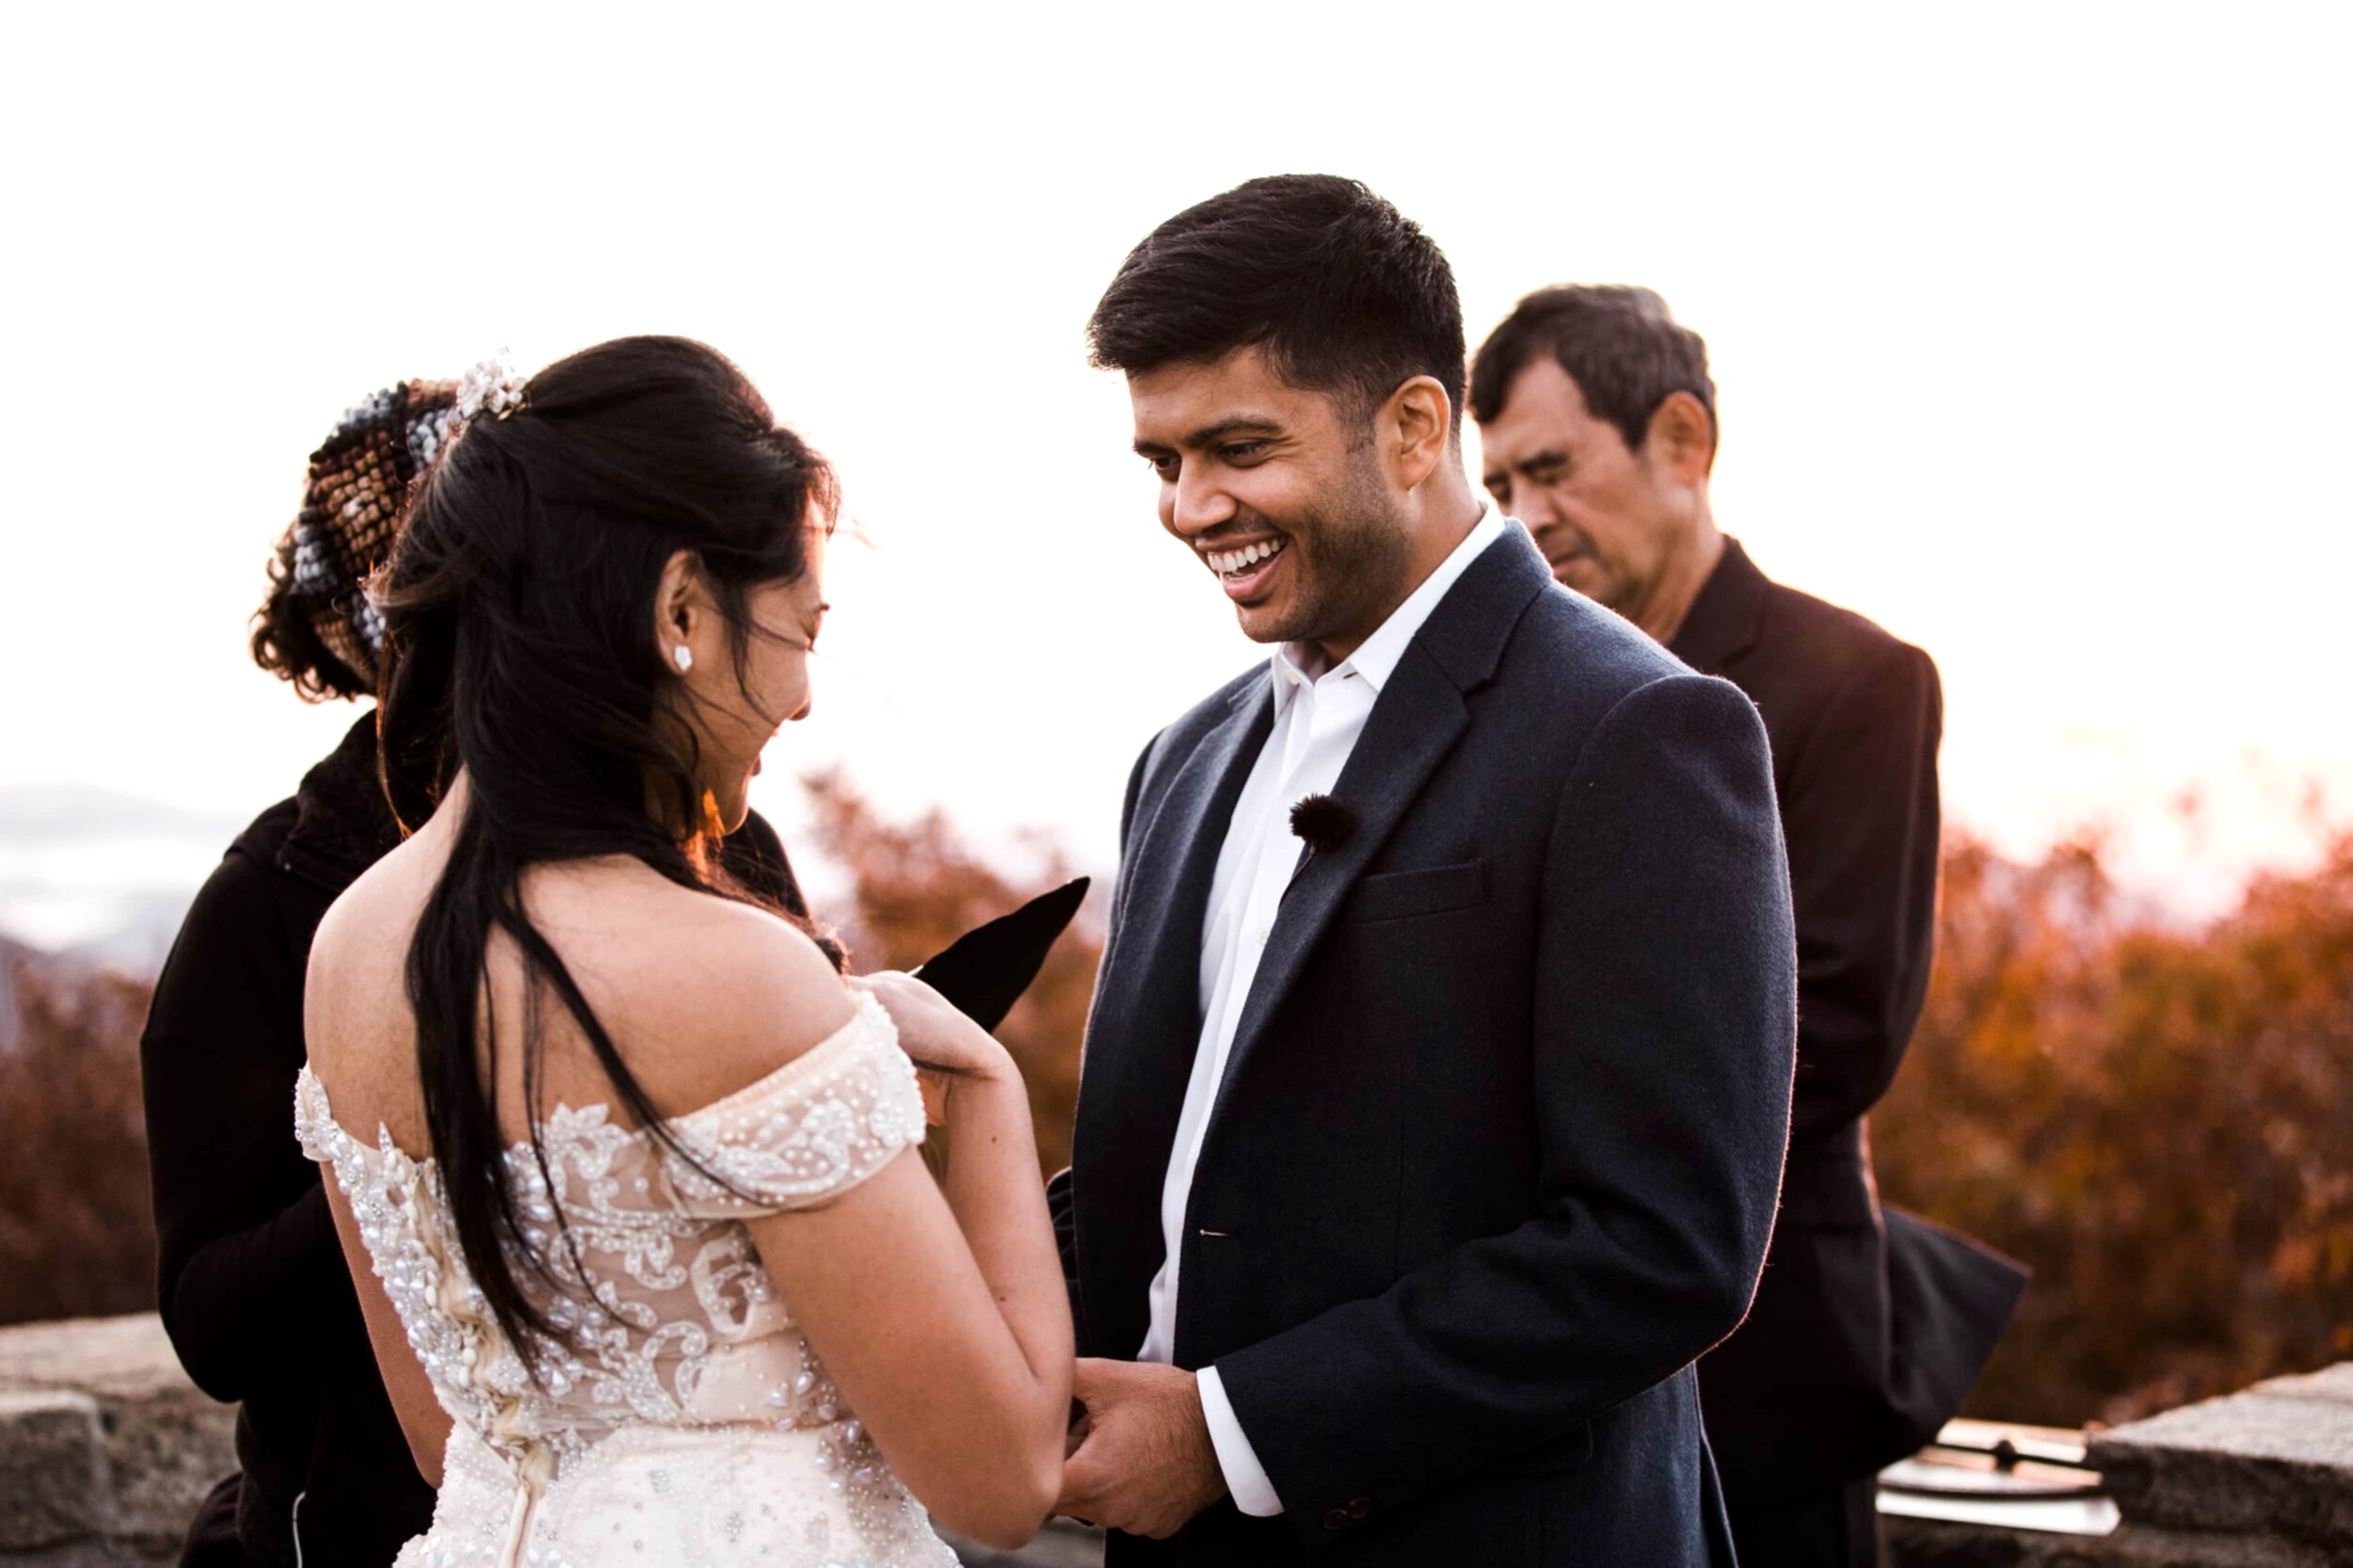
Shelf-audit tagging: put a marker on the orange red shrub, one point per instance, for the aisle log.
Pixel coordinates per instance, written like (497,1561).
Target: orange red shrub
(77,1230)
(2160,1120)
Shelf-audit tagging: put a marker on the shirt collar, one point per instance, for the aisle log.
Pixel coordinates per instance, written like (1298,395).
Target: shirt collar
(1722,619)
(1376,658)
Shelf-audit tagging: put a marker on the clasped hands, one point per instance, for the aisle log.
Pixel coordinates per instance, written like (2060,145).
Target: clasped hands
(1140,1459)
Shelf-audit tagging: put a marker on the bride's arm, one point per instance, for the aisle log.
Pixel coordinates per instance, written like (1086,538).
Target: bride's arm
(938,1307)
(991,1179)
(992,1188)
(423,1421)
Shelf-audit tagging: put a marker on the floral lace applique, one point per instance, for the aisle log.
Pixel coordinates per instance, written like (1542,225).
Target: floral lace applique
(813,1128)
(666,1317)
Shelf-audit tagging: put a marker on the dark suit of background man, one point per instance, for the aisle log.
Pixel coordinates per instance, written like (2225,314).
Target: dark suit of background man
(1418,1154)
(1597,421)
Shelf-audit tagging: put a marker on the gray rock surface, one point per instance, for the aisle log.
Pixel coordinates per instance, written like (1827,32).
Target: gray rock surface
(106,1447)
(2274,1461)
(52,1468)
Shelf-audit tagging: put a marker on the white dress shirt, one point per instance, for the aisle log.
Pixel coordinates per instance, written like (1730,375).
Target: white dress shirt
(1318,718)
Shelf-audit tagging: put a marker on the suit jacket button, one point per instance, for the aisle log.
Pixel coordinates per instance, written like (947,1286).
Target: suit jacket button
(1336,1519)
(1360,1507)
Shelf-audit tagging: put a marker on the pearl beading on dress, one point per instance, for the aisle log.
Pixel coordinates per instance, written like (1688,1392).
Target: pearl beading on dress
(671,1340)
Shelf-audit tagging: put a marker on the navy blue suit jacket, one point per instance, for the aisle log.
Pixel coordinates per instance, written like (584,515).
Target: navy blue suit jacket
(1498,1144)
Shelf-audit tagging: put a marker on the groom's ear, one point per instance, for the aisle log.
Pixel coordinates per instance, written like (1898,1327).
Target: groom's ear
(1414,430)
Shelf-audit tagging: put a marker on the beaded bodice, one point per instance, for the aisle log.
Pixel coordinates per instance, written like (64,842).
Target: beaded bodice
(665,1314)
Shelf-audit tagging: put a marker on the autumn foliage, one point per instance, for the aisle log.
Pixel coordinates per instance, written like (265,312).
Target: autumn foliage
(915,886)
(77,1232)
(2160,1120)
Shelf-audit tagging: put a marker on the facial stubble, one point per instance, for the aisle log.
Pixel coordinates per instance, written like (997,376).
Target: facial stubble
(1360,554)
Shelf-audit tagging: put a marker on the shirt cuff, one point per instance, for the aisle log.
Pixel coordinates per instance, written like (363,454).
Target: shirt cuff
(1245,1478)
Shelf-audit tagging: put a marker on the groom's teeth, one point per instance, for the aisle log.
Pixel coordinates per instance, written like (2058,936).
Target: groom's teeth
(1226,563)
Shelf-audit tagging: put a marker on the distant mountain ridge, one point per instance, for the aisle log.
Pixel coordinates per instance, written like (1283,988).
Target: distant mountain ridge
(99,877)
(79,813)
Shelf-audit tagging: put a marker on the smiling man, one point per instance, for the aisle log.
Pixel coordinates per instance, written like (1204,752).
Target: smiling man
(1597,418)
(1420,1152)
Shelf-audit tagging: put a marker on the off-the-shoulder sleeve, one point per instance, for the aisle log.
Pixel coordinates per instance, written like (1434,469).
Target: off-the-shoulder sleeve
(807,1133)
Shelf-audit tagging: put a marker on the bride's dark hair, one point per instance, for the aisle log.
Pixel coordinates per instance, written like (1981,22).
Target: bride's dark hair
(520,645)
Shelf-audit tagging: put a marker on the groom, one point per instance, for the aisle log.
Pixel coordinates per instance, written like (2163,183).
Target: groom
(1430,1131)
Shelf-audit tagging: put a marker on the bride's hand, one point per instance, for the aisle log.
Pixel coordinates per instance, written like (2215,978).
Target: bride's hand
(946,1048)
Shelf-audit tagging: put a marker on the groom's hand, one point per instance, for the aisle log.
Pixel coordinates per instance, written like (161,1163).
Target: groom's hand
(1144,1463)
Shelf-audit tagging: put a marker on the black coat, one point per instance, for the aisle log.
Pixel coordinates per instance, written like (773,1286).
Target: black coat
(251,1281)
(1867,1330)
(1497,1149)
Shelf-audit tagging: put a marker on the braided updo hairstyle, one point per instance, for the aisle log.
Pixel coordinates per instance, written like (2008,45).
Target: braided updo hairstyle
(317,629)
(519,611)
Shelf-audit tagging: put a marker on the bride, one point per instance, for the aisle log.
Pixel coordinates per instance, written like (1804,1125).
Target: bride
(624,1168)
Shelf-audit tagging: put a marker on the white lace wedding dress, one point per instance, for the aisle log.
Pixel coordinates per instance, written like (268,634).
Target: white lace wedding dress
(683,1421)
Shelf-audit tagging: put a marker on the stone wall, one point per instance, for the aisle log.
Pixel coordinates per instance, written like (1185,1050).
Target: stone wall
(106,1447)
(105,1450)
(2260,1479)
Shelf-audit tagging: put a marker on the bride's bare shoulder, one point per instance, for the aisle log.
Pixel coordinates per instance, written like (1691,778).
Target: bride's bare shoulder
(703,994)
(355,993)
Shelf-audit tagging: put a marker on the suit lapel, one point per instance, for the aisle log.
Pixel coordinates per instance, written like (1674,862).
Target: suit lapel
(1146,1021)
(1419,718)
(1414,725)
(1175,860)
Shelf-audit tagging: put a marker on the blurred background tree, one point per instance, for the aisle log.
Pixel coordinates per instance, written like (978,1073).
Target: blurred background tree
(77,1230)
(915,886)
(2160,1120)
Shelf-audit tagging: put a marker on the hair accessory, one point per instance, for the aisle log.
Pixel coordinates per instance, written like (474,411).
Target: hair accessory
(490,386)
(685,657)
(352,502)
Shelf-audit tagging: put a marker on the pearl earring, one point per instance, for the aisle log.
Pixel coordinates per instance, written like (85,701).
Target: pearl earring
(685,657)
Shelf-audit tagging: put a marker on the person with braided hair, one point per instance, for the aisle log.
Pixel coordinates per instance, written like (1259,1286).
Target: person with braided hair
(251,1281)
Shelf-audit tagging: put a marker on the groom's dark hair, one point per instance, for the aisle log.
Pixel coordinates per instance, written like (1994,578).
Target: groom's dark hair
(1344,293)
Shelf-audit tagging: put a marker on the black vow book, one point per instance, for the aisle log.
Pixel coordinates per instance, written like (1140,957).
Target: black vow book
(985,970)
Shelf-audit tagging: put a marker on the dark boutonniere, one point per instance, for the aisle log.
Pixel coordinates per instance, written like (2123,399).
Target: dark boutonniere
(1322,824)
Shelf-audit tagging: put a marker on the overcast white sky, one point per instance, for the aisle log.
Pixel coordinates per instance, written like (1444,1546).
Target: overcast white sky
(2031,325)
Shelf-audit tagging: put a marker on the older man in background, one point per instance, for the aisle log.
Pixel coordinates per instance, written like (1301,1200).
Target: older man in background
(1597,419)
